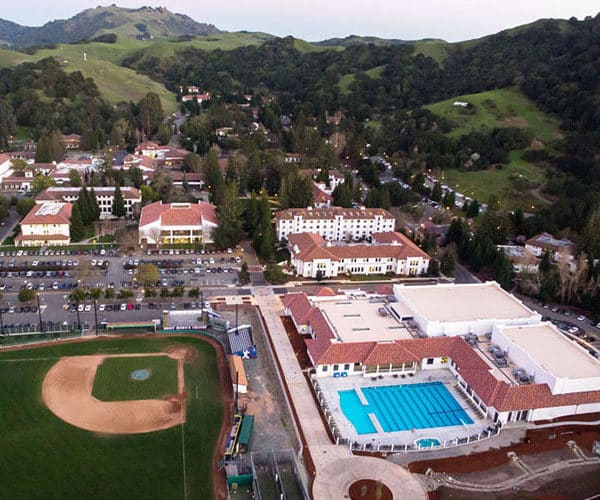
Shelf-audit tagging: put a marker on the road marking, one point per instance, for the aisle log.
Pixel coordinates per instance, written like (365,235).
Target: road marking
(183,462)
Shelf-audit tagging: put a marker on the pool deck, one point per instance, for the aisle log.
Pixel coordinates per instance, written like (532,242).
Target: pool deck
(331,386)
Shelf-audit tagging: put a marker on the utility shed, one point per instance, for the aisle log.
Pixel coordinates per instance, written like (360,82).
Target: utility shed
(245,432)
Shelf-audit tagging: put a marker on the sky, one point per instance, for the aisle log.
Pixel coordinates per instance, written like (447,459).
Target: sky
(451,20)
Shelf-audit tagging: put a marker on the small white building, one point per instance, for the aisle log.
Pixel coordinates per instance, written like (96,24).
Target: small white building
(105,196)
(545,242)
(46,224)
(335,223)
(523,260)
(171,223)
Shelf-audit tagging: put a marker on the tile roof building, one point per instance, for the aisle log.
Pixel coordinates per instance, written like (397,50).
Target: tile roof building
(546,376)
(46,224)
(104,195)
(391,252)
(170,223)
(545,242)
(335,223)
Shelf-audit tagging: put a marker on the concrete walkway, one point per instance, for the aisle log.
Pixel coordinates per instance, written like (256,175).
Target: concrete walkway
(336,467)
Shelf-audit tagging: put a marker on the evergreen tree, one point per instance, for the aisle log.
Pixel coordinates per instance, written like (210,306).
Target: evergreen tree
(118,208)
(77,226)
(436,192)
(95,208)
(448,263)
(213,177)
(229,231)
(50,148)
(84,206)
(255,175)
(252,214)
(150,113)
(342,196)
(74,178)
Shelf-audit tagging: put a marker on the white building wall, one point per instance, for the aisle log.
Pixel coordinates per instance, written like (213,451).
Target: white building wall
(335,229)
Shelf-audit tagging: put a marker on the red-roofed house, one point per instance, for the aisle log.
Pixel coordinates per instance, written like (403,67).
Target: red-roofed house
(46,224)
(170,223)
(394,253)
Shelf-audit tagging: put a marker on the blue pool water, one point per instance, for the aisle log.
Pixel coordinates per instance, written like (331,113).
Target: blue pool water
(427,442)
(403,407)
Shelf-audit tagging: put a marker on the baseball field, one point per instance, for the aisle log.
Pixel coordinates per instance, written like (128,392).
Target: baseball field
(129,417)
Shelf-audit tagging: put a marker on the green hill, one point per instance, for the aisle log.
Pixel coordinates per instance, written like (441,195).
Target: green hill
(145,22)
(496,108)
(519,181)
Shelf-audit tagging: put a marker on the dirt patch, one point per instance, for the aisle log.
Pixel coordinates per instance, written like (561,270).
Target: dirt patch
(183,353)
(67,392)
(368,489)
(514,121)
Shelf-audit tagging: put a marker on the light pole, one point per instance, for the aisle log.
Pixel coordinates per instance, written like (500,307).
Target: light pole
(96,316)
(37,296)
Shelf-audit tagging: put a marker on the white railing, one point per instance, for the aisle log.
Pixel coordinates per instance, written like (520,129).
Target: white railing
(370,447)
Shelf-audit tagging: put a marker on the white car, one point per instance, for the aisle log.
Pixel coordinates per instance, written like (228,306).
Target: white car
(80,307)
(102,307)
(123,307)
(573,329)
(35,263)
(581,318)
(88,308)
(93,262)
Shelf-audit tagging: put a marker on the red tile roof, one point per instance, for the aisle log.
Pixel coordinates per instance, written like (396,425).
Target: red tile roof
(178,214)
(311,246)
(325,291)
(299,306)
(41,214)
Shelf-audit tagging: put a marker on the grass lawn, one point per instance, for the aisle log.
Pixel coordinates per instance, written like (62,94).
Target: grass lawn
(436,49)
(496,108)
(42,456)
(503,183)
(113,380)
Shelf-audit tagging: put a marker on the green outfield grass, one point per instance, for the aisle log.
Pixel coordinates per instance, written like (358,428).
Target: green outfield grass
(496,108)
(44,457)
(113,380)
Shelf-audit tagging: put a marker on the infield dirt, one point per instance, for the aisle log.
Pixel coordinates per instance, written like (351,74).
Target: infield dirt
(67,392)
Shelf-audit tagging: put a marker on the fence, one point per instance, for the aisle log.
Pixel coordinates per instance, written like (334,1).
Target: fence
(277,475)
(356,445)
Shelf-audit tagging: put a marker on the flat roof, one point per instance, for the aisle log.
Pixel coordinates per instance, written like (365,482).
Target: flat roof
(554,352)
(361,321)
(464,302)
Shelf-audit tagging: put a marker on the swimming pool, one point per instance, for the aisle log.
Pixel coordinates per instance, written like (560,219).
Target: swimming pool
(402,407)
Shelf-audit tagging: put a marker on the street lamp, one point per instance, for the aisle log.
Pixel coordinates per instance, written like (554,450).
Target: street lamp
(37,296)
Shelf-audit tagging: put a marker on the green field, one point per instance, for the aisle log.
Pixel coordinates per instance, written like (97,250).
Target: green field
(436,49)
(113,380)
(496,108)
(506,183)
(44,457)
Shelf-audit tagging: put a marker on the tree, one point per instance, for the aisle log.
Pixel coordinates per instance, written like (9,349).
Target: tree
(26,295)
(41,182)
(228,233)
(342,196)
(148,194)
(50,148)
(24,205)
(244,275)
(164,134)
(147,274)
(136,177)
(118,208)
(77,227)
(436,192)
(150,114)
(448,263)
(94,207)
(8,123)
(74,178)
(449,199)
(213,177)
(274,275)
(434,268)
(296,190)
(320,275)
(192,162)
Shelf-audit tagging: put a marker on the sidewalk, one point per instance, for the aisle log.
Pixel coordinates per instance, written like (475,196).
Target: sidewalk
(336,467)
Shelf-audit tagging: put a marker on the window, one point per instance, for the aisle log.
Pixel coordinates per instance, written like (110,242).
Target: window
(347,366)
(429,361)
(324,368)
(336,368)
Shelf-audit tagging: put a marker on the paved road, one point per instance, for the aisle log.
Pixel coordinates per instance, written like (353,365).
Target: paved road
(9,224)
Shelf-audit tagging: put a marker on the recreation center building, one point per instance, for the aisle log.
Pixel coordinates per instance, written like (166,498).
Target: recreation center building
(471,356)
